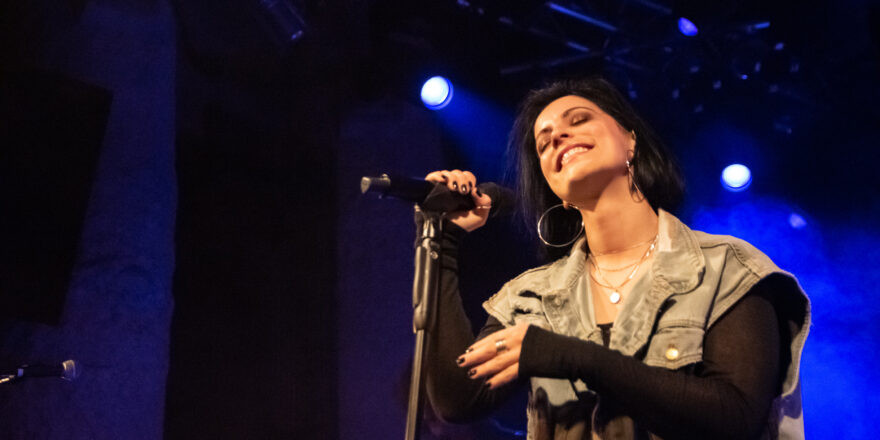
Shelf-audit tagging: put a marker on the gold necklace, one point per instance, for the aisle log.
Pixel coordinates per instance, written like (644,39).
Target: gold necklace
(617,269)
(617,251)
(615,295)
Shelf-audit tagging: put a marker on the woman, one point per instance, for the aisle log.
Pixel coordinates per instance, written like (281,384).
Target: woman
(646,328)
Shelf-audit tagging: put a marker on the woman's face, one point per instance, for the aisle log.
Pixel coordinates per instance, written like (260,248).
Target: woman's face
(582,149)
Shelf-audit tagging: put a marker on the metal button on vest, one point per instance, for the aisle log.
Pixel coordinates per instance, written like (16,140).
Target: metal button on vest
(672,353)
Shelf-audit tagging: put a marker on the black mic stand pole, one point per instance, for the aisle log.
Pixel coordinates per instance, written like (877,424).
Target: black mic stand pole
(425,291)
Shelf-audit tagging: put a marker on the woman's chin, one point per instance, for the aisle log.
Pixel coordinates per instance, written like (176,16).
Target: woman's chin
(580,182)
(577,171)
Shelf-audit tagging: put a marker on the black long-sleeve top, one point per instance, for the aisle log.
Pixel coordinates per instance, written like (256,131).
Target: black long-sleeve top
(727,395)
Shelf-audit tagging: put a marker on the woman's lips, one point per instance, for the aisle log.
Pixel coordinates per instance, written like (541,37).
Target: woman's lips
(569,153)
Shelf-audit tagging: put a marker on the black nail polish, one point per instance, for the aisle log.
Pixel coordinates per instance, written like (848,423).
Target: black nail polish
(487,385)
(455,184)
(460,360)
(470,349)
(479,193)
(472,373)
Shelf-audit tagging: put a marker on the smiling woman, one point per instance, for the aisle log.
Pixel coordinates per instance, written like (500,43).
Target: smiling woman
(595,105)
(645,327)
(567,129)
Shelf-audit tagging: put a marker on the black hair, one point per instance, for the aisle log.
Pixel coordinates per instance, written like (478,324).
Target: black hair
(655,170)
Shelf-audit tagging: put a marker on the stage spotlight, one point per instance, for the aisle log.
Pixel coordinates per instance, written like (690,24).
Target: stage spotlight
(687,27)
(437,92)
(736,177)
(796,221)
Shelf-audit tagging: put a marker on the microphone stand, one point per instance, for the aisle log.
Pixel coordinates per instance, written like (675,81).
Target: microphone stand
(425,292)
(436,201)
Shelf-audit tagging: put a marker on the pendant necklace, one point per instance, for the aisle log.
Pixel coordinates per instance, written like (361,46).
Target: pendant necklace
(615,295)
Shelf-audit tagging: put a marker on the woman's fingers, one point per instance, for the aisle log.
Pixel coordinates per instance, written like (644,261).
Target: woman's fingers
(494,365)
(495,357)
(506,375)
(460,182)
(502,341)
(512,337)
(483,352)
(464,182)
(488,347)
(456,180)
(508,340)
(437,176)
(470,181)
(481,201)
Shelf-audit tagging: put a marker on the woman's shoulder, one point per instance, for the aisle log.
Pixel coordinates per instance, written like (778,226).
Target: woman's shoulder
(736,250)
(723,252)
(522,294)
(536,278)
(733,267)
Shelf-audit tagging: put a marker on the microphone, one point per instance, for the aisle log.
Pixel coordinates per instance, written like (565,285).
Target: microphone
(436,196)
(67,370)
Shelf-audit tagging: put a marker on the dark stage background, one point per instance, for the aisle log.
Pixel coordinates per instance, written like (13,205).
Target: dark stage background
(180,210)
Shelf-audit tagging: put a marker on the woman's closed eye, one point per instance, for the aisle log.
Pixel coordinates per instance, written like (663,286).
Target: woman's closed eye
(542,142)
(576,118)
(543,146)
(579,118)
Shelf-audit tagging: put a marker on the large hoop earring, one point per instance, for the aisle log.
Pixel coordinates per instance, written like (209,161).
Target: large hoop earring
(541,236)
(632,178)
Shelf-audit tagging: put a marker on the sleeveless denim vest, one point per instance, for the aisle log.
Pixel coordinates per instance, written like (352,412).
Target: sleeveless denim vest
(695,278)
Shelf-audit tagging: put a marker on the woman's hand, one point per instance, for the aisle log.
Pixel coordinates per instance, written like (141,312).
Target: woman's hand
(466,183)
(495,357)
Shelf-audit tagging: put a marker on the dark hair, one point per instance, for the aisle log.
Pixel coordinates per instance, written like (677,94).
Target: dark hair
(655,171)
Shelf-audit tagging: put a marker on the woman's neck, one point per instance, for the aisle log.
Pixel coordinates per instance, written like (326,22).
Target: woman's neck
(616,222)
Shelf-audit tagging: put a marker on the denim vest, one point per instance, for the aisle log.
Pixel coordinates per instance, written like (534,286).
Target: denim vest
(695,278)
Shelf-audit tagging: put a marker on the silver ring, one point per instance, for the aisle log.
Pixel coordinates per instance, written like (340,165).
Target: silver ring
(500,346)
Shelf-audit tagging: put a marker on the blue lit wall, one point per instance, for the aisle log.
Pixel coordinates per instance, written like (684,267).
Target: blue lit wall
(117,313)
(477,129)
(835,260)
(814,173)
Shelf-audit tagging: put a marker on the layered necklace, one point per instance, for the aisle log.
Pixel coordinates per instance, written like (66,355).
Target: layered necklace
(615,295)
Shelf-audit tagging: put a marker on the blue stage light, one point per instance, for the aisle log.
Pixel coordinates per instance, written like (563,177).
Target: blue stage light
(796,221)
(736,177)
(687,27)
(437,92)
